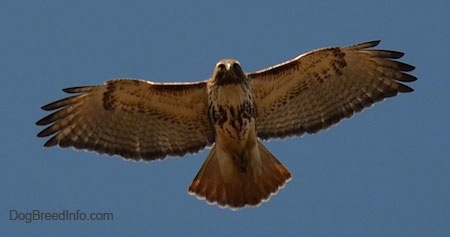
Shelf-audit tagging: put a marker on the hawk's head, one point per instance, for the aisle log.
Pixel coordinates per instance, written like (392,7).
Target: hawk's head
(228,71)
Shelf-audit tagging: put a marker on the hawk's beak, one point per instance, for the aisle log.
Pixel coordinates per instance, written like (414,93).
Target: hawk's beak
(228,66)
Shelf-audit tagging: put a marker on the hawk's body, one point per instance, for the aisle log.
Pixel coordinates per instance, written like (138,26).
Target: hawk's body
(144,120)
(238,170)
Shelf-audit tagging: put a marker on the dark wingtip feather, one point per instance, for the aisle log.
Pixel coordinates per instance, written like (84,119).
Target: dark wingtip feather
(41,122)
(386,53)
(374,43)
(53,105)
(77,89)
(51,142)
(47,107)
(49,118)
(368,44)
(47,132)
(393,54)
(405,89)
(41,134)
(407,78)
(405,67)
(60,103)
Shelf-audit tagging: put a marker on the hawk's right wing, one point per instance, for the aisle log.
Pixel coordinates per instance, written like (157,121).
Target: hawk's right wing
(132,118)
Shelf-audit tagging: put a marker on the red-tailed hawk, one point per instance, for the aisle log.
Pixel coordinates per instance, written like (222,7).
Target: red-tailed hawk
(231,111)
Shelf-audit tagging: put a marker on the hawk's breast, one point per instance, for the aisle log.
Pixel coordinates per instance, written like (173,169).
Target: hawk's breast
(232,111)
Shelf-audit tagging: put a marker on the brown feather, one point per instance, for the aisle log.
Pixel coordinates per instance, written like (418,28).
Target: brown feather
(319,88)
(223,183)
(131,118)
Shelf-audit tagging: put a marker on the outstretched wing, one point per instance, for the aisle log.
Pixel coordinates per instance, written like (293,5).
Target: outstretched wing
(319,88)
(132,118)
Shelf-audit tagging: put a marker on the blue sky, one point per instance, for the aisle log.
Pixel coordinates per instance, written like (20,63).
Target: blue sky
(385,172)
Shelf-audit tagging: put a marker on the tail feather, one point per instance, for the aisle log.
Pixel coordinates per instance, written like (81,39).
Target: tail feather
(221,182)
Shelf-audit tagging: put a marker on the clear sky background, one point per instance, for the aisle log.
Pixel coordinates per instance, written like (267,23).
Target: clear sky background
(385,172)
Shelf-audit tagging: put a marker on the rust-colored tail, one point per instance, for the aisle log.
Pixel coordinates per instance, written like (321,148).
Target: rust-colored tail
(220,181)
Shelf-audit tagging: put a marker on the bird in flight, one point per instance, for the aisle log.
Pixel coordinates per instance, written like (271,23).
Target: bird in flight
(231,111)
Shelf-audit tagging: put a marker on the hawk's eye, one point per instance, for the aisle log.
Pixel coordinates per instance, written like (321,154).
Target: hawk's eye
(236,68)
(221,67)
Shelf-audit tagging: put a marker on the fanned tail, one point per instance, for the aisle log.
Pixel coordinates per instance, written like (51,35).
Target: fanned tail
(220,181)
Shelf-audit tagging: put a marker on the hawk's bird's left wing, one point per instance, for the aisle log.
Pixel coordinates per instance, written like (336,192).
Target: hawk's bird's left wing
(132,118)
(319,88)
